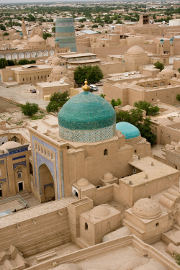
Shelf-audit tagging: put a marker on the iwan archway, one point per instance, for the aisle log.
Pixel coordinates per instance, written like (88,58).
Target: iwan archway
(46,184)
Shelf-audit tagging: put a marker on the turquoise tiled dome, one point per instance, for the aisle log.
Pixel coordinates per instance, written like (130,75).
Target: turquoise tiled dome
(128,130)
(85,116)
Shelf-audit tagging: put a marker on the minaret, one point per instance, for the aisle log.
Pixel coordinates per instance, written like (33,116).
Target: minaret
(171,46)
(161,47)
(24,29)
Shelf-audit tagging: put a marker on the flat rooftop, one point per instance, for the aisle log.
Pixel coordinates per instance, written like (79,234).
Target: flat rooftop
(51,84)
(35,212)
(96,60)
(31,67)
(75,55)
(122,254)
(126,75)
(150,169)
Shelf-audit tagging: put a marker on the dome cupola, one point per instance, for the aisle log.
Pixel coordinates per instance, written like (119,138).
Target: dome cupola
(128,130)
(87,118)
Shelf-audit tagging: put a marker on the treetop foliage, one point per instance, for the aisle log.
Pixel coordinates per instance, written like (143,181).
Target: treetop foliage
(148,107)
(159,65)
(4,62)
(135,117)
(57,100)
(92,74)
(29,109)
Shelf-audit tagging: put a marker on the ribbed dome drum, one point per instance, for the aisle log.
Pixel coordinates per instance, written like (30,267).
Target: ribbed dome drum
(87,118)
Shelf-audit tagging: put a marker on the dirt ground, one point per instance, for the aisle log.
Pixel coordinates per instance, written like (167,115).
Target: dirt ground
(7,107)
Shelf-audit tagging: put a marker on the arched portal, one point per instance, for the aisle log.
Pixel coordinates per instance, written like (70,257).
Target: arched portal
(46,183)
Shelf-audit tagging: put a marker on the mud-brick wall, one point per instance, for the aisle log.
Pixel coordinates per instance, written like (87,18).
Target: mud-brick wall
(37,234)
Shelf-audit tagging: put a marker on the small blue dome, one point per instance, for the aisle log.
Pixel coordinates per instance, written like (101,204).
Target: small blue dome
(84,113)
(128,130)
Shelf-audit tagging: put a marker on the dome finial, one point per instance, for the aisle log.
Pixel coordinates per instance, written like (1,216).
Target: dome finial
(86,87)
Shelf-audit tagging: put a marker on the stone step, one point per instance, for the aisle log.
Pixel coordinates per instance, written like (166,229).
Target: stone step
(173,192)
(170,196)
(47,255)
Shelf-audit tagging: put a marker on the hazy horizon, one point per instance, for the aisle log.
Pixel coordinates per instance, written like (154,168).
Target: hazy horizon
(52,1)
(45,1)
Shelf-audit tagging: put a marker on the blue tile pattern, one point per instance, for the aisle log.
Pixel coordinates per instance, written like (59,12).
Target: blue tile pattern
(2,179)
(87,136)
(19,164)
(19,157)
(43,160)
(86,111)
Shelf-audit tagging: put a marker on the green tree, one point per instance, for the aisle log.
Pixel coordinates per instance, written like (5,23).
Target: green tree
(57,100)
(10,62)
(148,107)
(94,26)
(3,62)
(29,109)
(116,102)
(159,65)
(2,27)
(179,70)
(26,62)
(6,34)
(31,18)
(178,97)
(93,74)
(82,20)
(177,258)
(46,35)
(146,132)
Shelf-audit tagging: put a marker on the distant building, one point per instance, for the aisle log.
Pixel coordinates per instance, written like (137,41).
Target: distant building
(65,33)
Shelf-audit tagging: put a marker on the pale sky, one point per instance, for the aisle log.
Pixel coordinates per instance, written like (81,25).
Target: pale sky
(34,1)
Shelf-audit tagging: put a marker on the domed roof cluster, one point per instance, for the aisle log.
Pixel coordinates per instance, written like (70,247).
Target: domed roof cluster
(36,39)
(87,118)
(128,130)
(146,208)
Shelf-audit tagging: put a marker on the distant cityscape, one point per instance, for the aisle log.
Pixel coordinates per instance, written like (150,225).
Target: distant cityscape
(89,135)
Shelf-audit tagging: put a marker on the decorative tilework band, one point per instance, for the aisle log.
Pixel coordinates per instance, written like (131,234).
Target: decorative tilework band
(88,136)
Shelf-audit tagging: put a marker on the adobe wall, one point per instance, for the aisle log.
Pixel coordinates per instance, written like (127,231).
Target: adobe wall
(173,158)
(165,94)
(166,135)
(112,67)
(7,75)
(89,252)
(176,64)
(135,95)
(36,229)
(43,91)
(128,194)
(115,91)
